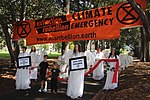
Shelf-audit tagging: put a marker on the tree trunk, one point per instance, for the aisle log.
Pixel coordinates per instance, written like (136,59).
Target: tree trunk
(7,39)
(66,7)
(142,46)
(22,14)
(16,52)
(96,44)
(146,26)
(16,45)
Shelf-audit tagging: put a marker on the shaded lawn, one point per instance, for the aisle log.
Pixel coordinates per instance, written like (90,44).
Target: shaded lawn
(5,55)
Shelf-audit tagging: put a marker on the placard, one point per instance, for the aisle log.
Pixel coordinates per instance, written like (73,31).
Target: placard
(24,61)
(78,63)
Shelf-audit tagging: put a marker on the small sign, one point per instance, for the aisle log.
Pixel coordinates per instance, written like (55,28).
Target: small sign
(24,61)
(78,63)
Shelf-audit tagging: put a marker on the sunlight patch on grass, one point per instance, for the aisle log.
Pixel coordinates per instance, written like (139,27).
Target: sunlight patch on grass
(89,83)
(4,55)
(54,55)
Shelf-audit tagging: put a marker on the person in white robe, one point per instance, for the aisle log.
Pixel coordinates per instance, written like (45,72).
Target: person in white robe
(98,73)
(90,59)
(106,52)
(22,74)
(41,54)
(76,78)
(62,67)
(110,72)
(35,63)
(125,58)
(66,56)
(130,59)
(124,62)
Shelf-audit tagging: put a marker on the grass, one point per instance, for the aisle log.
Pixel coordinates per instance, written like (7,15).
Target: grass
(53,55)
(5,55)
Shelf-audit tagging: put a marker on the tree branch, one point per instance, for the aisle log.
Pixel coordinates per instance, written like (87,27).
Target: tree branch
(142,16)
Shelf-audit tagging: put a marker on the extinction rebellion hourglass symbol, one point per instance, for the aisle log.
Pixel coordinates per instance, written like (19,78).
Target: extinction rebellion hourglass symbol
(23,29)
(129,17)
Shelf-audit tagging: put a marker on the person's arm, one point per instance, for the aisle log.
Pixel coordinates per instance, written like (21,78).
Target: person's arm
(47,73)
(64,71)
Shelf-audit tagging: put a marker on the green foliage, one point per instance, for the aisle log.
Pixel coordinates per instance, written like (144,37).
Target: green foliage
(10,11)
(58,46)
(71,45)
(21,42)
(131,37)
(46,46)
(53,55)
(4,55)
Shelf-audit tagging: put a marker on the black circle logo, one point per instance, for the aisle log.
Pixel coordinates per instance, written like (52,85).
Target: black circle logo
(23,29)
(129,17)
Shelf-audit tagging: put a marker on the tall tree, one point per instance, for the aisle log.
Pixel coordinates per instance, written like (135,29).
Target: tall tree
(17,10)
(146,34)
(66,9)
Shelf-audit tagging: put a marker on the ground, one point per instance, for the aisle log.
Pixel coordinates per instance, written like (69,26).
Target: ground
(134,84)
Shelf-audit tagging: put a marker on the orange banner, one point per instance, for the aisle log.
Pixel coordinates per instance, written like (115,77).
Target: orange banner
(95,24)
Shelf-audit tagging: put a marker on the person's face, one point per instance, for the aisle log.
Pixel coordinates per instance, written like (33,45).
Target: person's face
(113,52)
(23,50)
(76,47)
(55,66)
(45,58)
(33,48)
(99,50)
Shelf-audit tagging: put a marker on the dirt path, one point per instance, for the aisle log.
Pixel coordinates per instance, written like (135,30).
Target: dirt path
(91,88)
(134,84)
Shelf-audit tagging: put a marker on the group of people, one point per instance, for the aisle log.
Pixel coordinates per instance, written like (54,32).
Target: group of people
(75,78)
(26,75)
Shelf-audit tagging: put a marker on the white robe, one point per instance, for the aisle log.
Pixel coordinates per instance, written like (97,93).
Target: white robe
(90,59)
(130,59)
(65,58)
(108,83)
(41,54)
(35,63)
(62,63)
(22,76)
(67,55)
(106,53)
(98,73)
(125,60)
(76,82)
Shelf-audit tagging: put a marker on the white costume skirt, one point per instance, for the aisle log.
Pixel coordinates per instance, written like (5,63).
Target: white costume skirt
(98,73)
(108,83)
(33,73)
(22,79)
(62,69)
(75,84)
